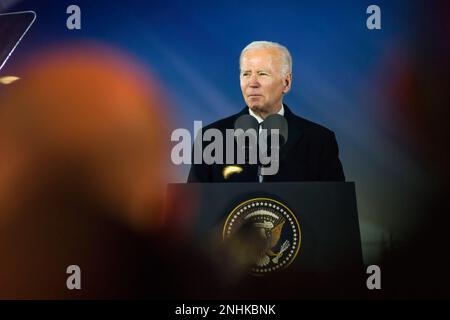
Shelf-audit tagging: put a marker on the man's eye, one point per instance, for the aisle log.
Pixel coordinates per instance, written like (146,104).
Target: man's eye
(263,74)
(245,74)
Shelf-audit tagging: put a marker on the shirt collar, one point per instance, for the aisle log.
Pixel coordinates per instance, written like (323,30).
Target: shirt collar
(259,119)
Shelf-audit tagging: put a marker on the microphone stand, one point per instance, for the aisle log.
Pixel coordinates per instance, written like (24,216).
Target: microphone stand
(260,176)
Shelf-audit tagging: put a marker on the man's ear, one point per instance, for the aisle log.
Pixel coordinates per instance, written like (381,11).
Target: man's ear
(287,83)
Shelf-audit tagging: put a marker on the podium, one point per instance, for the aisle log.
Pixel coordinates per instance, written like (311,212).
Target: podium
(312,240)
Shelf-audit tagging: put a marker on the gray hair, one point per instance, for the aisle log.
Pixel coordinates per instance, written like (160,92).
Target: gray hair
(286,58)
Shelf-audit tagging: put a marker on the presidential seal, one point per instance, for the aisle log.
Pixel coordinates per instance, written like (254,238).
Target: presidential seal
(276,228)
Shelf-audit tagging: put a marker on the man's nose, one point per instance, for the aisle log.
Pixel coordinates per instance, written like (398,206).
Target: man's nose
(253,81)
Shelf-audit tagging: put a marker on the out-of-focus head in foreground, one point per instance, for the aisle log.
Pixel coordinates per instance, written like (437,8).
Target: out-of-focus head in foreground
(82,172)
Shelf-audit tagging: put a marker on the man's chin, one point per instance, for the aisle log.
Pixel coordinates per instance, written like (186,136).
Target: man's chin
(257,108)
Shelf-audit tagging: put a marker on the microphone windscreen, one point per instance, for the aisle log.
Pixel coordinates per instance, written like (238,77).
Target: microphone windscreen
(246,122)
(246,133)
(276,121)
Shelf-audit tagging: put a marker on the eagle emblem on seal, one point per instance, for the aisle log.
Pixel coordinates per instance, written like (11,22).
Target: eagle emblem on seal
(275,226)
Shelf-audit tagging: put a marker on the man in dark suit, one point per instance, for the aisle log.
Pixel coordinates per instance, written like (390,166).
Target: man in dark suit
(311,152)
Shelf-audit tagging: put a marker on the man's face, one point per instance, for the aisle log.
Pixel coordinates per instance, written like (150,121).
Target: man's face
(262,82)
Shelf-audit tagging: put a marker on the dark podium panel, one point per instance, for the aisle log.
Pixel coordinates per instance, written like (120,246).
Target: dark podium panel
(329,259)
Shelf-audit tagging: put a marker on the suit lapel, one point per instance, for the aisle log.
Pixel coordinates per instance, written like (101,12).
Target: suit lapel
(294,133)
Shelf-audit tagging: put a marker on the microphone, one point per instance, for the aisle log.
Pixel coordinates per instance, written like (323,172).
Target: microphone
(246,122)
(271,122)
(276,121)
(247,126)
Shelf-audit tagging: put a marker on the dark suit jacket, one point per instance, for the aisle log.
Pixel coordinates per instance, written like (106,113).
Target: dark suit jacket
(310,154)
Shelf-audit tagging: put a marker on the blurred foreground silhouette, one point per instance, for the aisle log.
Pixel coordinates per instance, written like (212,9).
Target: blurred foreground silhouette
(82,178)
